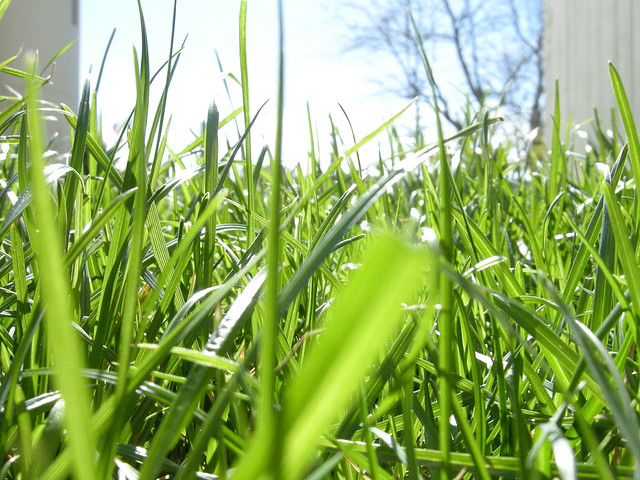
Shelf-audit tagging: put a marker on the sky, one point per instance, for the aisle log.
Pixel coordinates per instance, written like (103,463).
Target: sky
(317,71)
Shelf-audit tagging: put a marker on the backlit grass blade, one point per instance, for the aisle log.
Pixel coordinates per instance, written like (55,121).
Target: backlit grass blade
(64,345)
(605,270)
(602,298)
(167,274)
(200,140)
(360,323)
(225,171)
(190,393)
(580,262)
(95,149)
(56,56)
(183,323)
(498,467)
(10,378)
(267,418)
(220,342)
(210,181)
(160,250)
(158,121)
(326,175)
(52,173)
(349,218)
(4,4)
(627,119)
(557,174)
(407,412)
(135,176)
(96,225)
(139,454)
(606,374)
(562,357)
(626,253)
(76,159)
(137,156)
(244,82)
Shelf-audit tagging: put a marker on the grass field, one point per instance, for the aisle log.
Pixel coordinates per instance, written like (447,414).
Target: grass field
(206,313)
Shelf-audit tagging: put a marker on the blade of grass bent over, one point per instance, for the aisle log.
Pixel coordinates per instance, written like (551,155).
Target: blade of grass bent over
(183,323)
(220,342)
(348,219)
(190,392)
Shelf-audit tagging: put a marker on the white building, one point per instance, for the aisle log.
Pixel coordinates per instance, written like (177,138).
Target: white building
(46,26)
(581,37)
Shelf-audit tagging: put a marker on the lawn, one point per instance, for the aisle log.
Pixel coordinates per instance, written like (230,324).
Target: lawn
(461,308)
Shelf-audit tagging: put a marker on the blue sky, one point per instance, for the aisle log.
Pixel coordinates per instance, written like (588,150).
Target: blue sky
(317,70)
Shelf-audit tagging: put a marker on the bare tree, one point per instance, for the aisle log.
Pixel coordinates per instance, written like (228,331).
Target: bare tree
(489,51)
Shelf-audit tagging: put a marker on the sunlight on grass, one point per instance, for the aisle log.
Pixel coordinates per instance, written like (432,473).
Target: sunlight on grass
(457,309)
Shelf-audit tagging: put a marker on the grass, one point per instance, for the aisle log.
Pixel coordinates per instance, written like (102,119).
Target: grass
(228,319)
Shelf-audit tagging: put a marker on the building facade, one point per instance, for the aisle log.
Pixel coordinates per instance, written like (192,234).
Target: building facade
(45,26)
(581,37)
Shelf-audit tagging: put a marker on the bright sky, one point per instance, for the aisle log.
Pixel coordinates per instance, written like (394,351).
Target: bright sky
(317,71)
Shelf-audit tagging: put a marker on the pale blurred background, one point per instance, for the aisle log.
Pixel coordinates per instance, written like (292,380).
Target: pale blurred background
(321,69)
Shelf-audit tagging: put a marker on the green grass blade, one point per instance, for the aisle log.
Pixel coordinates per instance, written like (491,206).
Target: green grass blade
(626,254)
(225,171)
(219,343)
(349,218)
(355,333)
(56,292)
(4,4)
(244,82)
(498,467)
(186,243)
(360,324)
(135,176)
(268,421)
(606,374)
(197,380)
(95,149)
(627,119)
(210,181)
(96,225)
(76,159)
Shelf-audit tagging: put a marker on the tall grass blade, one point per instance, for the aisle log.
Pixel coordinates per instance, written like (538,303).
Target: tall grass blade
(64,345)
(244,82)
(446,316)
(211,179)
(361,322)
(627,120)
(626,253)
(606,374)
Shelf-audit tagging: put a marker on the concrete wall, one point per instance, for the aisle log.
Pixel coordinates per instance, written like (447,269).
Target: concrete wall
(46,26)
(581,36)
